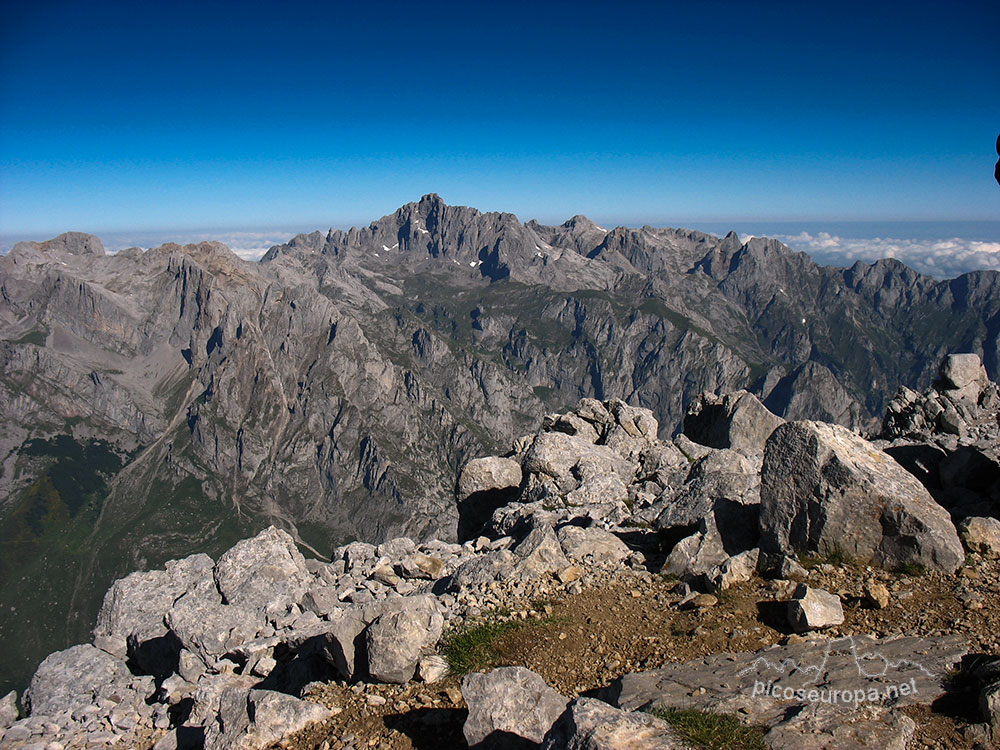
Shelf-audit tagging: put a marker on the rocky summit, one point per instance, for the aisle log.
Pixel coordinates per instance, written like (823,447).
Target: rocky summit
(776,583)
(170,401)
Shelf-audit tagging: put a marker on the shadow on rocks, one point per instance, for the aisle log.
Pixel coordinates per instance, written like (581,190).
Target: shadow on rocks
(432,728)
(775,615)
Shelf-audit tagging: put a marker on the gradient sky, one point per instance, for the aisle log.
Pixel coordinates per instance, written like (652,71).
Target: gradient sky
(132,116)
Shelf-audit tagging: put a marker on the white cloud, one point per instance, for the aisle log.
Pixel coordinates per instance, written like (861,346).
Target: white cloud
(942,258)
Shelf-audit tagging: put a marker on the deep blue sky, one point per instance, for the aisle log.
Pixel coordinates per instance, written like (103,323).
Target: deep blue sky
(124,116)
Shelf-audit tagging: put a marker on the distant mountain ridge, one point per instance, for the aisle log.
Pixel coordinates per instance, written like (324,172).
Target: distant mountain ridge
(171,401)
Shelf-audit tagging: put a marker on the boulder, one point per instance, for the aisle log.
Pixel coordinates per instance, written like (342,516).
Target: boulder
(488,474)
(736,420)
(256,719)
(210,629)
(509,707)
(980,534)
(697,555)
(989,705)
(134,606)
(540,553)
(736,569)
(589,724)
(814,609)
(396,640)
(724,486)
(958,371)
(264,574)
(339,645)
(592,544)
(419,565)
(825,488)
(483,569)
(80,676)
(8,710)
(556,455)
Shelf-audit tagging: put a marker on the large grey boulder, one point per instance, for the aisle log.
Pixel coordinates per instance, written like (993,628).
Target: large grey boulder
(487,474)
(589,724)
(256,719)
(723,487)
(134,608)
(8,710)
(567,460)
(340,641)
(79,676)
(735,420)
(263,574)
(825,488)
(592,545)
(959,371)
(483,569)
(539,553)
(396,641)
(981,534)
(210,629)
(509,707)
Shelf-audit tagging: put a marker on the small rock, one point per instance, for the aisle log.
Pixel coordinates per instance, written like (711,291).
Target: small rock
(876,595)
(704,601)
(814,609)
(570,573)
(980,534)
(431,668)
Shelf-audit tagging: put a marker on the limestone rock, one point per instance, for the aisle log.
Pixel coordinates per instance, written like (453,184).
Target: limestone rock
(8,710)
(823,487)
(961,370)
(989,705)
(735,420)
(589,724)
(592,544)
(431,668)
(736,569)
(76,677)
(263,574)
(875,595)
(340,641)
(486,474)
(814,609)
(509,706)
(134,606)
(256,719)
(540,553)
(396,640)
(556,455)
(980,534)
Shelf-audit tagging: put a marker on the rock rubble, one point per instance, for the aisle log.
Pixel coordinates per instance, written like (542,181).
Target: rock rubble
(218,654)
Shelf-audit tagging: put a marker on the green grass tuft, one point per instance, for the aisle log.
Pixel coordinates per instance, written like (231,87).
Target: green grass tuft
(711,730)
(832,554)
(911,569)
(473,648)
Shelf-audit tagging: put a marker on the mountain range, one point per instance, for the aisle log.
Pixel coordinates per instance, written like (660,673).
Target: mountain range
(158,403)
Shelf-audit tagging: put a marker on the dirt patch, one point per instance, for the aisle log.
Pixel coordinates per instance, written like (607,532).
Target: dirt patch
(630,622)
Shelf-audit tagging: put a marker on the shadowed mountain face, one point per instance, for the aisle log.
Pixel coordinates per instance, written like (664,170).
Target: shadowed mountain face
(160,403)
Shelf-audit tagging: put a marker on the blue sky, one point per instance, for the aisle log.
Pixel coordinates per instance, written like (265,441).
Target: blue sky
(140,116)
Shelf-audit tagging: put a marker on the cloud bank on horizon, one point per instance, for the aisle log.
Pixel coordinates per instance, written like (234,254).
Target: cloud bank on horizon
(943,258)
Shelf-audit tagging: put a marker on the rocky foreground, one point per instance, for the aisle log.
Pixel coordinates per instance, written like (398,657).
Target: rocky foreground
(247,650)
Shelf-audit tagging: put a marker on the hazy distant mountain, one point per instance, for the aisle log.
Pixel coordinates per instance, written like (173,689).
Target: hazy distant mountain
(164,402)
